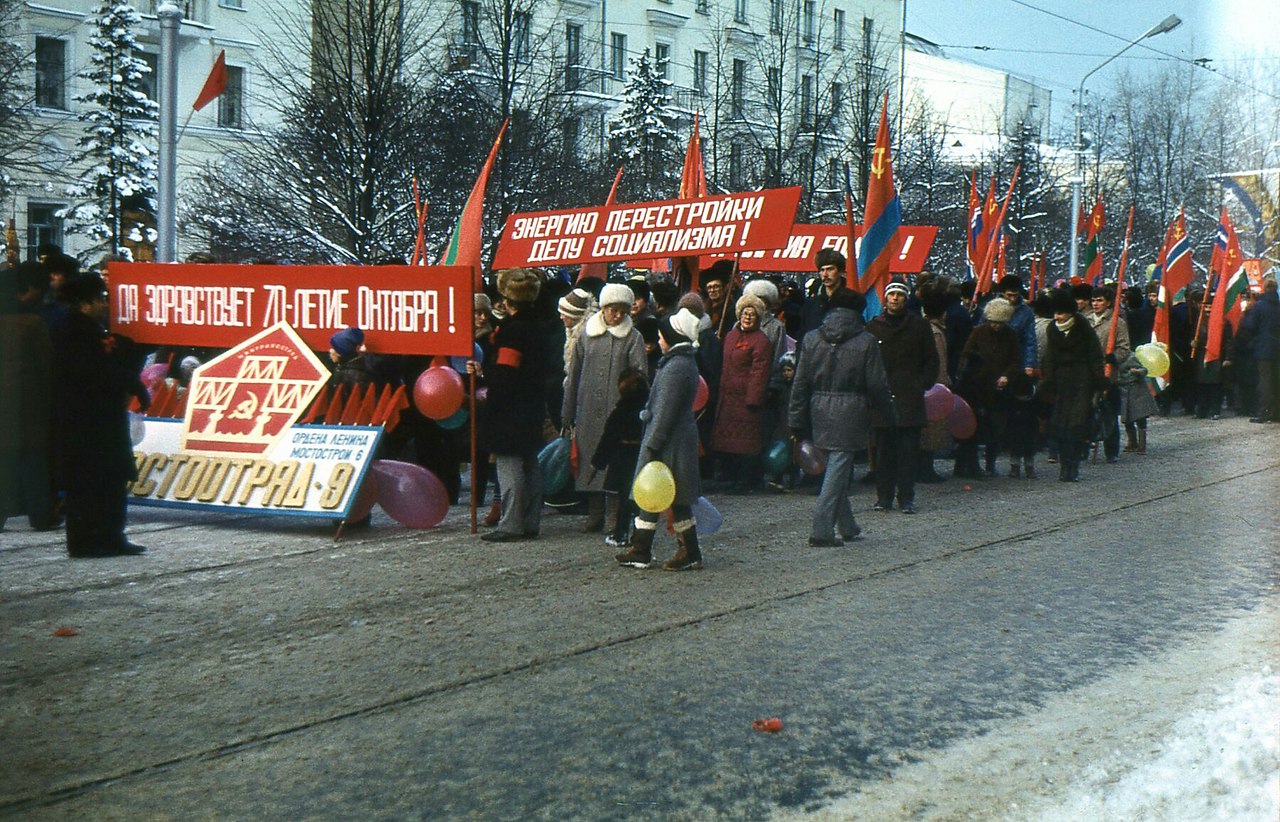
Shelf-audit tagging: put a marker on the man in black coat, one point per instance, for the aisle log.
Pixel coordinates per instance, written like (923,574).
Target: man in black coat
(831,271)
(95,374)
(911,364)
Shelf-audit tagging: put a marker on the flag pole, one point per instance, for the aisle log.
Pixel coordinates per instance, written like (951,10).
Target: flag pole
(1115,302)
(988,258)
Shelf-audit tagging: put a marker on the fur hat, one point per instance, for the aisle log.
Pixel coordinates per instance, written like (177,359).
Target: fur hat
(692,300)
(1082,291)
(750,301)
(188,367)
(1010,282)
(765,290)
(828,256)
(347,341)
(616,294)
(998,310)
(720,271)
(679,327)
(481,302)
(847,298)
(1063,302)
(575,303)
(519,285)
(639,288)
(648,328)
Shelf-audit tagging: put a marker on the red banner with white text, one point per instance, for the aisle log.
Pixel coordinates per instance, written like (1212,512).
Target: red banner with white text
(401,309)
(909,249)
(679,228)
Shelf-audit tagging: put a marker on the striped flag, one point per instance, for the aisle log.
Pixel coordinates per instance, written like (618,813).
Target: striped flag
(1232,284)
(880,219)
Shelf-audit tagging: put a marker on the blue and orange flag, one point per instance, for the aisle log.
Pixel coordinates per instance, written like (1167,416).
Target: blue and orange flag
(1092,251)
(880,219)
(468,234)
(1228,263)
(974,251)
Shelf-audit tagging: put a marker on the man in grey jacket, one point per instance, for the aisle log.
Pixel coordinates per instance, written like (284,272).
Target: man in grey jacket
(839,378)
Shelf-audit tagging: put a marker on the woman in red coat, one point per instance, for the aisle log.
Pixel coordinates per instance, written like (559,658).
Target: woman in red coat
(739,431)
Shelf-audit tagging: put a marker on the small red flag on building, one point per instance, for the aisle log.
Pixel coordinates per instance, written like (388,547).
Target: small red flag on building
(215,84)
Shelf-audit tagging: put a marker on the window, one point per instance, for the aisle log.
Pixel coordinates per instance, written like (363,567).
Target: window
(661,58)
(151,79)
(773,83)
(700,71)
(231,103)
(833,173)
(470,22)
(837,101)
(772,170)
(51,72)
(736,167)
(806,101)
(738,90)
(702,7)
(520,26)
(569,131)
(618,55)
(572,56)
(775,16)
(43,226)
(740,11)
(232,4)
(810,8)
(838,34)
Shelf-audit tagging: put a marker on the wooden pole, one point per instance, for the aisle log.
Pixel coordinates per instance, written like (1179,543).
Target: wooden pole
(1115,303)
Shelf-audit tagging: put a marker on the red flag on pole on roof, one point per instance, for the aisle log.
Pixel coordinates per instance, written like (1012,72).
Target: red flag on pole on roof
(468,234)
(881,217)
(1232,284)
(215,84)
(1092,253)
(601,270)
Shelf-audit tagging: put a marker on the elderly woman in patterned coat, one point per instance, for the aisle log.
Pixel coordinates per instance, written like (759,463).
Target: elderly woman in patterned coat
(671,437)
(739,430)
(607,345)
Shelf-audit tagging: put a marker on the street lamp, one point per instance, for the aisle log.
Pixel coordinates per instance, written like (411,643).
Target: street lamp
(1077,182)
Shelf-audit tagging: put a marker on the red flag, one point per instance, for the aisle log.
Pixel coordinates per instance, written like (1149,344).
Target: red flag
(983,283)
(1232,284)
(1001,264)
(368,405)
(1115,303)
(975,225)
(468,235)
(1092,253)
(881,216)
(333,414)
(693,178)
(1160,325)
(601,270)
(317,408)
(215,84)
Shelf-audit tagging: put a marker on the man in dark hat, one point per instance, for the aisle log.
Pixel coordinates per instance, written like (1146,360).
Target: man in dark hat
(715,282)
(831,272)
(911,363)
(1023,321)
(95,374)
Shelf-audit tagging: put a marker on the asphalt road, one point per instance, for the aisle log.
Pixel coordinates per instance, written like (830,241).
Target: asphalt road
(251,668)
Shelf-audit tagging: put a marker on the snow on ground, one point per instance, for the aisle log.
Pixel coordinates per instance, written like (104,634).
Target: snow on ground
(1190,736)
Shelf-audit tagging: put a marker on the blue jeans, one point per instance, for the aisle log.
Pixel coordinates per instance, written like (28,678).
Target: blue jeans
(833,507)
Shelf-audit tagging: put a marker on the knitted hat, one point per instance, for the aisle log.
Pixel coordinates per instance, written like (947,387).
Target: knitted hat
(750,301)
(897,286)
(693,301)
(347,341)
(1063,302)
(574,304)
(998,310)
(680,327)
(787,360)
(481,302)
(765,290)
(519,285)
(616,294)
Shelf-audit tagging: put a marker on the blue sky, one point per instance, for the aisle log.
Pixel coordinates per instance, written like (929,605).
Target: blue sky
(1026,38)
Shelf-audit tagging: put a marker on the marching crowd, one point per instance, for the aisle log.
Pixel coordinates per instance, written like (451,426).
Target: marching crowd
(732,385)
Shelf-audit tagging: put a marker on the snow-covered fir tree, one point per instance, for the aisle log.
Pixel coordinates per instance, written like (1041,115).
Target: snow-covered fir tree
(114,199)
(641,137)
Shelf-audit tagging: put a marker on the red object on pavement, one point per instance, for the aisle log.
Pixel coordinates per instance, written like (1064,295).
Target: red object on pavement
(770,726)
(66,632)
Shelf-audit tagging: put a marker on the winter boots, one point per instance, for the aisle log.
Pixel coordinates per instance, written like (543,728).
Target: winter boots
(688,557)
(1130,440)
(595,513)
(640,554)
(1142,441)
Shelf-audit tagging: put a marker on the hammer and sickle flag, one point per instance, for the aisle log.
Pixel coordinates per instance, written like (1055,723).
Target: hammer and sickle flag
(880,220)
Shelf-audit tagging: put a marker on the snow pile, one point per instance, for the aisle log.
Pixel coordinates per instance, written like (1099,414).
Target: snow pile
(1218,763)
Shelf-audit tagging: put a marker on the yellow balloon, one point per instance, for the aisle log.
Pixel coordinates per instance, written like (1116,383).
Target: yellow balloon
(1153,358)
(654,488)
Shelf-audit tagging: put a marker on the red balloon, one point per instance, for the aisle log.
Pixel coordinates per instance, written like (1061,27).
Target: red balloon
(961,422)
(410,494)
(937,402)
(812,459)
(438,392)
(704,394)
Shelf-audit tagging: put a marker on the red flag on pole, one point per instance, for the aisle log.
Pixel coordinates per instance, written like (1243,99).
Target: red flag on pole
(881,216)
(1232,284)
(601,270)
(1092,250)
(468,235)
(215,84)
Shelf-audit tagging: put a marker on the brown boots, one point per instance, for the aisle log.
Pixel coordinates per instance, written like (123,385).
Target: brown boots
(640,555)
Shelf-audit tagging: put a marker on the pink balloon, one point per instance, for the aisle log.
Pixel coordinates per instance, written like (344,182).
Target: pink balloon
(960,421)
(704,394)
(937,402)
(410,494)
(153,375)
(366,497)
(438,392)
(812,459)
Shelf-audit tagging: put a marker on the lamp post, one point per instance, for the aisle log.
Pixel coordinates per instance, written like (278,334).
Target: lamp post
(1077,181)
(167,171)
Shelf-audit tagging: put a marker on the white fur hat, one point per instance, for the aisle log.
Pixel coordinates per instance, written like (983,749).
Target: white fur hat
(765,290)
(616,294)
